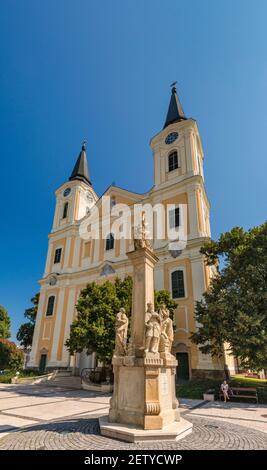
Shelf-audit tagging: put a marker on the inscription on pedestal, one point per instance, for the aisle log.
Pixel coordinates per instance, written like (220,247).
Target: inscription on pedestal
(164,386)
(130,396)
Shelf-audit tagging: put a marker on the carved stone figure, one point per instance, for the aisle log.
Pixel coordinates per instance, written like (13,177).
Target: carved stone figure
(153,329)
(167,335)
(121,326)
(141,236)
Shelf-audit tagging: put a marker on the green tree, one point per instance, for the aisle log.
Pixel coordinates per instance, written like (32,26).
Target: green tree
(164,297)
(93,329)
(5,323)
(25,332)
(233,311)
(10,356)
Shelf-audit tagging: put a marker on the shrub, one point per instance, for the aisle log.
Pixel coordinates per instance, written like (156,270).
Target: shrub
(10,356)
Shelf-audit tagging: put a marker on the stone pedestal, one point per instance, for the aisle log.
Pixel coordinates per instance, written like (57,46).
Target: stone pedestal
(131,433)
(147,397)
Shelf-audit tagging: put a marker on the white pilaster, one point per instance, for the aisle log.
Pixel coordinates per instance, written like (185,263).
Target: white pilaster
(159,276)
(36,336)
(204,360)
(58,314)
(67,253)
(69,320)
(193,213)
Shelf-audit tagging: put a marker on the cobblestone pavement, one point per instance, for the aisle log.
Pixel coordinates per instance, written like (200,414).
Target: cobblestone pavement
(83,434)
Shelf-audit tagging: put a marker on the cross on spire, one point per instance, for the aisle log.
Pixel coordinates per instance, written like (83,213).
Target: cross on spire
(175,111)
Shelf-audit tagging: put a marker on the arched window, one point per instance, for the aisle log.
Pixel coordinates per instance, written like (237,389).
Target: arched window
(173,160)
(110,242)
(50,305)
(65,210)
(178,289)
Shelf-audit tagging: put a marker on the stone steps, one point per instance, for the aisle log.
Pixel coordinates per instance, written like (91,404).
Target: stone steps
(66,382)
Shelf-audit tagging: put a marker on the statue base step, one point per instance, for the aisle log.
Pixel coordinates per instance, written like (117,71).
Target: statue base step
(131,433)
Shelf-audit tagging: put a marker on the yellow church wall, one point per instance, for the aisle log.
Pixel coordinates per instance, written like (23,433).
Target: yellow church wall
(76,206)
(47,343)
(117,248)
(194,153)
(87,249)
(200,212)
(71,252)
(101,250)
(81,252)
(57,244)
(47,330)
(178,199)
(92,249)
(184,313)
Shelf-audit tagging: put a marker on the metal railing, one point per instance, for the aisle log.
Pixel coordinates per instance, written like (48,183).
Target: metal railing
(97,375)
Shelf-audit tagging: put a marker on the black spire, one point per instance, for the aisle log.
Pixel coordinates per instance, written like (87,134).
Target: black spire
(175,111)
(80,171)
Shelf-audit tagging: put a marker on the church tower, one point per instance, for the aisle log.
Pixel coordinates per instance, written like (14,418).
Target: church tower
(58,293)
(178,157)
(179,181)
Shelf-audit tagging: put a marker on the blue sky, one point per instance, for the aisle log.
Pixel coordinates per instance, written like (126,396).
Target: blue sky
(84,69)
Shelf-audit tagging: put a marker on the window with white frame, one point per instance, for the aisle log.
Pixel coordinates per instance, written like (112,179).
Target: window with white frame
(65,210)
(173,160)
(110,242)
(57,257)
(174,217)
(177,284)
(50,306)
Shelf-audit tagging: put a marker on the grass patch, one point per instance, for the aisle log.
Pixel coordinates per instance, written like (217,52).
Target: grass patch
(9,374)
(6,377)
(195,388)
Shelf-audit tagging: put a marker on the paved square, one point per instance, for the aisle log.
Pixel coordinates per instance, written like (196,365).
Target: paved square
(38,417)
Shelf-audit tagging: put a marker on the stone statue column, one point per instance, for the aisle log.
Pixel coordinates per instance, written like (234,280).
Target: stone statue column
(144,372)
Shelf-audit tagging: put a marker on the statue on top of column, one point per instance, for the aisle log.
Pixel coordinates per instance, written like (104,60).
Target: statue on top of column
(141,236)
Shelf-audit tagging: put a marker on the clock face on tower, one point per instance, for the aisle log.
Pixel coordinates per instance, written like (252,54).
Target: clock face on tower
(67,192)
(171,138)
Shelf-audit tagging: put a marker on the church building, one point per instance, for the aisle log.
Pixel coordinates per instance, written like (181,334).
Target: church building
(73,262)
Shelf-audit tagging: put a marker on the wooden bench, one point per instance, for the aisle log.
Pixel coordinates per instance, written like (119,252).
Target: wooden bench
(238,392)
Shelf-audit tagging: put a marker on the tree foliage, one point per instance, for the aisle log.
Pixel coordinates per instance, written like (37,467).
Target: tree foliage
(25,332)
(10,356)
(234,309)
(164,297)
(94,327)
(5,323)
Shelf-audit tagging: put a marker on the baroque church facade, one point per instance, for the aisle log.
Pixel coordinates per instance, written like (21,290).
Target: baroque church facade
(73,262)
